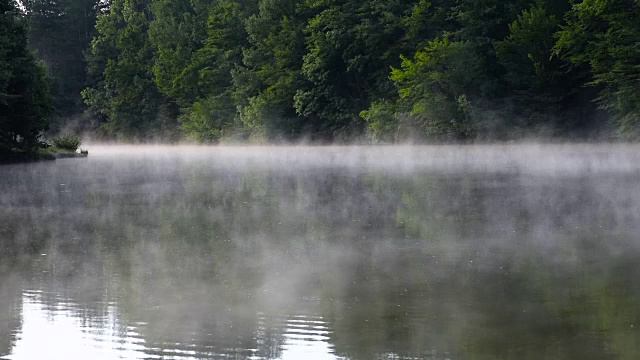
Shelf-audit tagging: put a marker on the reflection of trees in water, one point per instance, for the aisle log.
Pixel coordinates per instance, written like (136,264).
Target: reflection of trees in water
(10,307)
(541,267)
(236,247)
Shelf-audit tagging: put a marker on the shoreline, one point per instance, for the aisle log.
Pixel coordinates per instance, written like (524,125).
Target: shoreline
(48,154)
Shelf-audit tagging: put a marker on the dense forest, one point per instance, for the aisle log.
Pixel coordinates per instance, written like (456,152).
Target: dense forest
(25,101)
(320,70)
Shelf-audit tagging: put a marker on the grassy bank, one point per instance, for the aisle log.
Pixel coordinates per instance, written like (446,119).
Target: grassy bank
(10,156)
(52,153)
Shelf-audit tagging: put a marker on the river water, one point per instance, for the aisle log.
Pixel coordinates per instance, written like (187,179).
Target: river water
(434,252)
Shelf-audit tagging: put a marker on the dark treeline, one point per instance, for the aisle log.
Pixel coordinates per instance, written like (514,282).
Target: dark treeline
(25,100)
(338,70)
(60,31)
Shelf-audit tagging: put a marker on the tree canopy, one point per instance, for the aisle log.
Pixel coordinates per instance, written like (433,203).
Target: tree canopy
(24,88)
(338,70)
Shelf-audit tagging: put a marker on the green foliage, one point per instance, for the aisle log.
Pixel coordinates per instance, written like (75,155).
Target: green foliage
(435,84)
(481,23)
(67,142)
(350,47)
(541,85)
(493,74)
(264,88)
(381,121)
(25,99)
(59,32)
(443,70)
(121,59)
(199,46)
(177,31)
(204,120)
(603,34)
(485,21)
(526,52)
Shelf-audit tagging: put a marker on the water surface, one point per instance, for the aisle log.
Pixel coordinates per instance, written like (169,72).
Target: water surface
(443,252)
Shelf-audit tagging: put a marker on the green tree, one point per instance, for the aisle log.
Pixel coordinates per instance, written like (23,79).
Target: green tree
(24,89)
(60,31)
(350,48)
(526,52)
(327,102)
(213,114)
(123,90)
(178,31)
(545,90)
(265,86)
(603,34)
(489,73)
(431,92)
(435,88)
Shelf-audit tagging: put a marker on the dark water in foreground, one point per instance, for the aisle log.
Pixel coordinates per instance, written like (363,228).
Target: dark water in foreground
(495,252)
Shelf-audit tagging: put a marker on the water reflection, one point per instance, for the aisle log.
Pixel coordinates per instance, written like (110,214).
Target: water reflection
(60,331)
(323,253)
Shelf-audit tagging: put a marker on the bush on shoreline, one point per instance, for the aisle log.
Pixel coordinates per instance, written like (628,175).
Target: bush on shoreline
(68,142)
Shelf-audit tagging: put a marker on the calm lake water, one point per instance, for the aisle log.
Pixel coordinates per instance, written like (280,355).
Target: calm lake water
(477,252)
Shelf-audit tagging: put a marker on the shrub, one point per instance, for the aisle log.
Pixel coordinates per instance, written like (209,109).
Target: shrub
(68,142)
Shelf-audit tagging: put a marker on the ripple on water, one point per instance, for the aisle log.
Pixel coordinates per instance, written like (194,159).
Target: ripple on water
(57,328)
(63,330)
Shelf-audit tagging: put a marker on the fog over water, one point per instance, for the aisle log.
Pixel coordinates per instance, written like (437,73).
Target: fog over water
(382,252)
